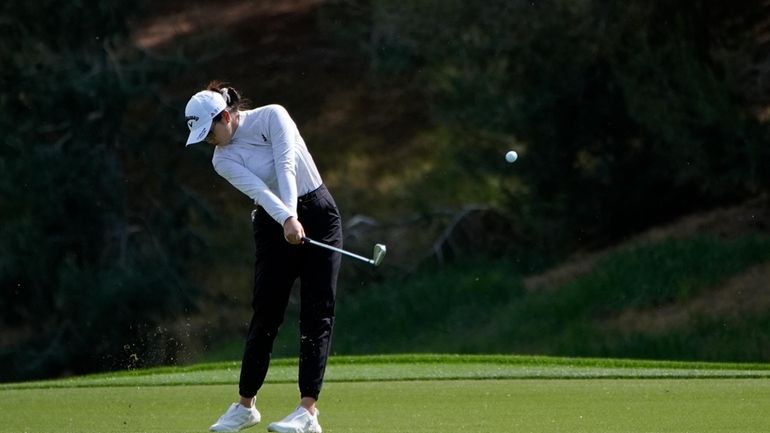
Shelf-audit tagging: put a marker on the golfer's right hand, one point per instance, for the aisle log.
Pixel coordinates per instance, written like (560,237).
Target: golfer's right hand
(293,231)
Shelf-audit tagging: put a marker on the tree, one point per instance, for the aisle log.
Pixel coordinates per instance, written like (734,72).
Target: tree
(90,262)
(627,113)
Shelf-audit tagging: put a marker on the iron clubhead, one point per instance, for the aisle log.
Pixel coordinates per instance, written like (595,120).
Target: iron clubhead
(379,254)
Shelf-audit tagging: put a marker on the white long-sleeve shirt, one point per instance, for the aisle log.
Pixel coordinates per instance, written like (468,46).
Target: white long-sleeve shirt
(268,160)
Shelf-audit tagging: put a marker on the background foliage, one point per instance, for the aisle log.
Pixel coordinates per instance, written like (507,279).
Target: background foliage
(628,113)
(91,256)
(119,250)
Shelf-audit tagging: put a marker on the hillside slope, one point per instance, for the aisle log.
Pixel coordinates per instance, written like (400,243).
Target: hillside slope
(752,217)
(741,297)
(270,51)
(695,289)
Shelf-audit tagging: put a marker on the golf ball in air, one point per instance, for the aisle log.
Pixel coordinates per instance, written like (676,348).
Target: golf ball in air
(511,156)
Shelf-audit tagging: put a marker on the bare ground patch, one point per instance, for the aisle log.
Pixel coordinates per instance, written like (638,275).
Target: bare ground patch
(728,222)
(743,295)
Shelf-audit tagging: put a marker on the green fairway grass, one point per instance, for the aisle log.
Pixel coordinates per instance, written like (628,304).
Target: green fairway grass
(431,393)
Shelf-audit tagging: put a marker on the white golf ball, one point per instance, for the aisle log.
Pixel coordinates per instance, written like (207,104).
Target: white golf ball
(511,156)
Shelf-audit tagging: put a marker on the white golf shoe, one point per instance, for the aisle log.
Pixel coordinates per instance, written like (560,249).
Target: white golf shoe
(237,418)
(299,421)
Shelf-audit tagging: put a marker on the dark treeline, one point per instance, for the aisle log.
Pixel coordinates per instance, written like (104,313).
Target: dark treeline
(625,114)
(92,239)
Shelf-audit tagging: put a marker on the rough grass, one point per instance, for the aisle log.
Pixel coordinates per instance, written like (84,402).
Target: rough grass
(484,307)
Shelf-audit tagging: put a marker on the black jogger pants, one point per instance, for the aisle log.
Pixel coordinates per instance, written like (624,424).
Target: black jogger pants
(278,264)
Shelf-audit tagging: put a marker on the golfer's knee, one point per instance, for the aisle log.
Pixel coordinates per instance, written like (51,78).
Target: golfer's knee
(314,327)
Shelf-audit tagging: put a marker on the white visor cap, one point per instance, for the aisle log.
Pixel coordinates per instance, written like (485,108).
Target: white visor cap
(199,112)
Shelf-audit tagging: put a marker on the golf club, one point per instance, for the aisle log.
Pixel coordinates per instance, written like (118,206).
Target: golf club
(377,255)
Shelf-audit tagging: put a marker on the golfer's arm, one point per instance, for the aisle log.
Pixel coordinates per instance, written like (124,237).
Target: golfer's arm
(283,135)
(251,185)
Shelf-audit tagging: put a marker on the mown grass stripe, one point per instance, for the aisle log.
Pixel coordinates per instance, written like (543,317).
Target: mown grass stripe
(462,359)
(418,367)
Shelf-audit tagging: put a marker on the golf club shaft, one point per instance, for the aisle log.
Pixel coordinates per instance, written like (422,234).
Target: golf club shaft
(339,250)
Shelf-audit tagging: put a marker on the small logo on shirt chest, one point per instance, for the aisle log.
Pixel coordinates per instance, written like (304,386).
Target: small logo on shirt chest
(264,138)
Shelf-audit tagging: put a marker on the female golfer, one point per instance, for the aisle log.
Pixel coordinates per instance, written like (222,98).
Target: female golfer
(261,153)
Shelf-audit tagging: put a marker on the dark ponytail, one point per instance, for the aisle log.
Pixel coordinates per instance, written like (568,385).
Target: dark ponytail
(232,97)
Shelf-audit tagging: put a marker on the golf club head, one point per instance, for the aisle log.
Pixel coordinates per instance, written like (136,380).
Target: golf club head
(378,254)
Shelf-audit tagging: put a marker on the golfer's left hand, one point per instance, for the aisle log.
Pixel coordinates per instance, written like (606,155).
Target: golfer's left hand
(293,231)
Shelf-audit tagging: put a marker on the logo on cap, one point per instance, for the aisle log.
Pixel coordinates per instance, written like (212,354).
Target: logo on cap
(191,120)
